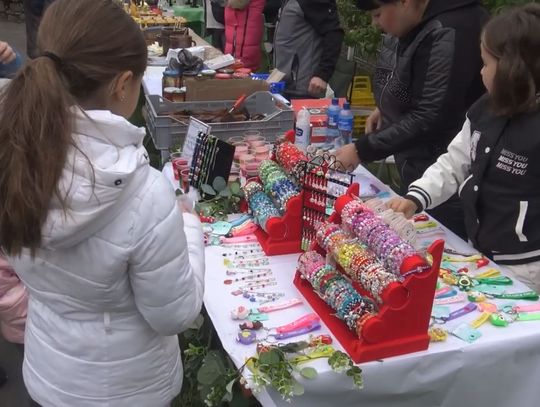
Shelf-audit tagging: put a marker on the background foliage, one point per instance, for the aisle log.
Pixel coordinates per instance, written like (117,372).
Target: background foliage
(360,34)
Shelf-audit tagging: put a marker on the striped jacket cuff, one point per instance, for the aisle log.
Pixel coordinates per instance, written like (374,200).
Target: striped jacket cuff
(418,199)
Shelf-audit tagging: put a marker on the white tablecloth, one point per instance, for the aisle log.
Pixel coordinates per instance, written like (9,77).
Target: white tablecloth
(501,369)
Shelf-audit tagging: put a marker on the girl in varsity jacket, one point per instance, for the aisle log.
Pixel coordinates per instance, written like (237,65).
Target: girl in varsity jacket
(494,162)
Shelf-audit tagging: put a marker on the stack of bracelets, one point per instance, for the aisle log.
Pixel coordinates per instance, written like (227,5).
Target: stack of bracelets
(291,158)
(389,247)
(277,184)
(260,204)
(358,262)
(336,291)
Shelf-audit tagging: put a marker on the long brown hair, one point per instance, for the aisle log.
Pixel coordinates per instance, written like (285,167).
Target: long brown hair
(513,38)
(85,45)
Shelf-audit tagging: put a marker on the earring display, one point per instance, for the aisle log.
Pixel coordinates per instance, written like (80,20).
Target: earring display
(322,184)
(212,158)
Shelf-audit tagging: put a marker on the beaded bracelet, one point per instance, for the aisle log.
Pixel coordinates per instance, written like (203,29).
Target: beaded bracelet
(277,185)
(371,229)
(291,158)
(337,292)
(259,203)
(358,262)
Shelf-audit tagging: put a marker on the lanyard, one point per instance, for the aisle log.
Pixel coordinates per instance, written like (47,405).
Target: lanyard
(307,323)
(528,295)
(458,314)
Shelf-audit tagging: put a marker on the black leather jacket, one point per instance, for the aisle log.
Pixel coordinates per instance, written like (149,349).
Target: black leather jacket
(424,84)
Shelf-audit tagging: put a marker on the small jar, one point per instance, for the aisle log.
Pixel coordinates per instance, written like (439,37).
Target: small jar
(171,79)
(174,94)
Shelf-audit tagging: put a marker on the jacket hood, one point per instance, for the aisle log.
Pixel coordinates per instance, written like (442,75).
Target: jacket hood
(436,7)
(100,176)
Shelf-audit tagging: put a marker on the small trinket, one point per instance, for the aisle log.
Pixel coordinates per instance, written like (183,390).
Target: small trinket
(240,313)
(246,337)
(475,296)
(464,283)
(437,334)
(251,326)
(482,263)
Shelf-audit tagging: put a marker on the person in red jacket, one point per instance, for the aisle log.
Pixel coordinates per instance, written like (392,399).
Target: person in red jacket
(244,31)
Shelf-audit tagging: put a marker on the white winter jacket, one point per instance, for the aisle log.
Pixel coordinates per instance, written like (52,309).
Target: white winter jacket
(114,280)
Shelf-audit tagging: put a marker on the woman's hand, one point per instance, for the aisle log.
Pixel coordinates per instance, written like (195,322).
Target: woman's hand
(405,206)
(7,55)
(348,156)
(373,122)
(317,86)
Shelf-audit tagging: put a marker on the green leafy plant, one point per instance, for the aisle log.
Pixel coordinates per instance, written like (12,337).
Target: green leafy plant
(220,199)
(359,32)
(276,366)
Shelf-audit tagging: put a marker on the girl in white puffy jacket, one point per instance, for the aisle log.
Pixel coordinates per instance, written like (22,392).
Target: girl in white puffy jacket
(113,269)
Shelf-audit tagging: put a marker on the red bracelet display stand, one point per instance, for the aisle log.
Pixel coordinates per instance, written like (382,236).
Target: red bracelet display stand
(283,235)
(402,322)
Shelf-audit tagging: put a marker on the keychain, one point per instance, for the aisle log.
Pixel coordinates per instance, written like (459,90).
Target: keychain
(503,319)
(481,320)
(528,295)
(457,314)
(461,297)
(516,309)
(301,326)
(242,312)
(488,274)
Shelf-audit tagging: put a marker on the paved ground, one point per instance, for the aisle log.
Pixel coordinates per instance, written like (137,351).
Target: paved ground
(13,393)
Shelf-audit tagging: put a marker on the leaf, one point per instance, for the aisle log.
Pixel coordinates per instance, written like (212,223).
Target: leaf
(225,192)
(219,184)
(309,373)
(229,387)
(293,347)
(207,189)
(227,397)
(211,369)
(235,188)
(271,357)
(298,389)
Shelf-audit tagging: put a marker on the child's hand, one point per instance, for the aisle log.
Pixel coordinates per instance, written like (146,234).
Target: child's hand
(405,206)
(7,54)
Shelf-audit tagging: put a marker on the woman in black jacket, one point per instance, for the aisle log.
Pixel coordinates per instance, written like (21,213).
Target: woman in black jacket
(427,77)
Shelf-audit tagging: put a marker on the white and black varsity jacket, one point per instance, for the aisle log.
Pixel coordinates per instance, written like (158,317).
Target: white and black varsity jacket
(494,164)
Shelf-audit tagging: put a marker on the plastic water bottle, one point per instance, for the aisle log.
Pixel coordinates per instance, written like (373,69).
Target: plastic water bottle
(332,132)
(345,124)
(303,129)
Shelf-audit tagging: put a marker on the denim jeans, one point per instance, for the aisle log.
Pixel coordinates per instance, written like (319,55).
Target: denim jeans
(9,70)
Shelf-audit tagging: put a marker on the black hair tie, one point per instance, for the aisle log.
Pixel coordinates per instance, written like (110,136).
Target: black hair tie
(53,57)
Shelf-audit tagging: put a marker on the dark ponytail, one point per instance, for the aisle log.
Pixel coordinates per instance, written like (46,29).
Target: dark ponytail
(84,45)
